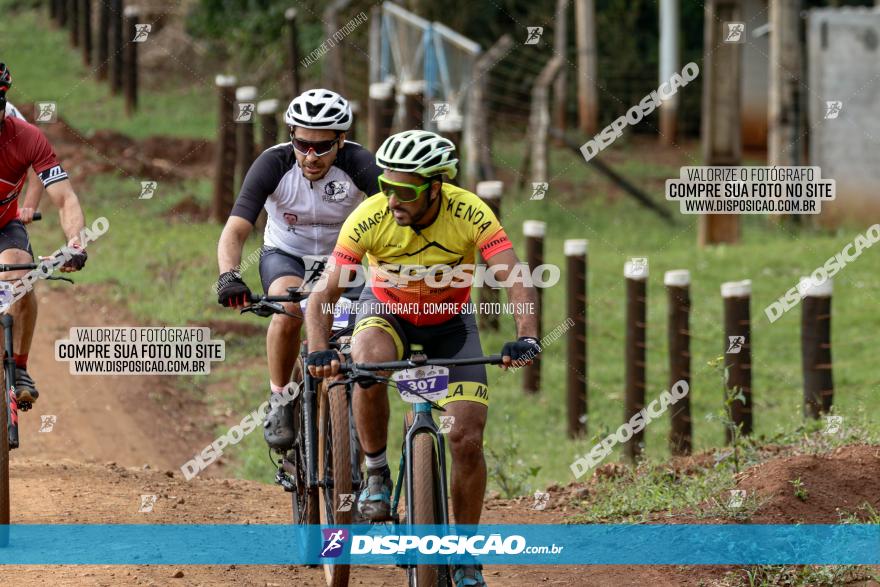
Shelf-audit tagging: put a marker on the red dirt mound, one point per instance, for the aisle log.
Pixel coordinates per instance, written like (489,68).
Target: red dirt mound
(835,483)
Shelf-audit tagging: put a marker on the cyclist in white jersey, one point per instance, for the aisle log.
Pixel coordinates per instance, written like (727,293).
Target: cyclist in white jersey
(308,188)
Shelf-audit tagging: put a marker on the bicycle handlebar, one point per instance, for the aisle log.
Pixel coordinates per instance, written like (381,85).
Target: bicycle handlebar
(410,363)
(267,305)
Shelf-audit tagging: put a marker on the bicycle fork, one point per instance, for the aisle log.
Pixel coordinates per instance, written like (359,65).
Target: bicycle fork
(9,371)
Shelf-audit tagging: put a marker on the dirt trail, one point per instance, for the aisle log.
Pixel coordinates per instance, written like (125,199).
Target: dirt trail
(99,418)
(90,469)
(70,492)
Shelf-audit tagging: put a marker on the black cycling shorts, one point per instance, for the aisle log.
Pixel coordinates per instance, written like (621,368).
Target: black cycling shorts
(14,236)
(456,338)
(275,263)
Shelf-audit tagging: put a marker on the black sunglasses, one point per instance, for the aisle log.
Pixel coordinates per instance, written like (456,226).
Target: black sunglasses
(319,147)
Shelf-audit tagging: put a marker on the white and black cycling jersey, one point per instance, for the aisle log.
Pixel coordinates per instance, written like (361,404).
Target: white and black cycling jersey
(304,217)
(13,111)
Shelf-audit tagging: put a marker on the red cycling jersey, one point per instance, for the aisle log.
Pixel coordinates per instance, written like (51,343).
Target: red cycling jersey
(22,145)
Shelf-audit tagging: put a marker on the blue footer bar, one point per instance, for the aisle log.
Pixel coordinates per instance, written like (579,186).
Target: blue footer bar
(489,544)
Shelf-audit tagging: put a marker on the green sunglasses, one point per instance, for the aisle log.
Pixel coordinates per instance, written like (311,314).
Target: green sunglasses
(401,190)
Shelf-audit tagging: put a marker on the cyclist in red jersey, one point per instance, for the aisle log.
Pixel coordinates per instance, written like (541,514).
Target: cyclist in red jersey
(23,146)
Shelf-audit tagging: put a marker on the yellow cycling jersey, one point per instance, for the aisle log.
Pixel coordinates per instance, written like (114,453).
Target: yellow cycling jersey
(409,268)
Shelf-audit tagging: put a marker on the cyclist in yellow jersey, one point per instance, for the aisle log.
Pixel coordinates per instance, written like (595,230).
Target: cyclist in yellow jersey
(419,241)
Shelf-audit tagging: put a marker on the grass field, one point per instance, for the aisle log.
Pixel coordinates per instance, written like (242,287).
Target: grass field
(162,269)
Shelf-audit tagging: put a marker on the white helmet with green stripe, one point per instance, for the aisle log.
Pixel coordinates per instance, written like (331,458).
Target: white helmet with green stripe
(418,151)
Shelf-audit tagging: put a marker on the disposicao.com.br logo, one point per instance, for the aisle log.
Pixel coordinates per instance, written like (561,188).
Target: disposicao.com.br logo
(431,544)
(446,545)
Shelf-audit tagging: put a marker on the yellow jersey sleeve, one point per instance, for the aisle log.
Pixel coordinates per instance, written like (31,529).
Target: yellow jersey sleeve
(487,234)
(354,236)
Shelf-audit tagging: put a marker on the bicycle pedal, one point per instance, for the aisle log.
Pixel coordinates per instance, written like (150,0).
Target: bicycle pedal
(24,406)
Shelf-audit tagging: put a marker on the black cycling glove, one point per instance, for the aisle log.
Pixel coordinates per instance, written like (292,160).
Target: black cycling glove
(232,291)
(322,358)
(77,260)
(524,349)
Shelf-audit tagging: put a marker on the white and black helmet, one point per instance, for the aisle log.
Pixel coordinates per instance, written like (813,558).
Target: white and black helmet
(319,109)
(418,151)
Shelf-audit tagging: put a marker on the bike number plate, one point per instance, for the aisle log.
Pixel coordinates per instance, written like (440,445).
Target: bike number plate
(431,382)
(6,295)
(341,312)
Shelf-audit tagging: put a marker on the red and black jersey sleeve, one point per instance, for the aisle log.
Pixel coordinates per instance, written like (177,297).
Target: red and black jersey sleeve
(43,159)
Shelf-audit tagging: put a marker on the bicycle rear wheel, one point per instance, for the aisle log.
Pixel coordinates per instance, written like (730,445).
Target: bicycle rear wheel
(424,502)
(334,449)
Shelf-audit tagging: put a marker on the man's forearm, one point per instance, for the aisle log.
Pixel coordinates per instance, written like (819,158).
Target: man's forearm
(317,322)
(229,253)
(72,219)
(524,298)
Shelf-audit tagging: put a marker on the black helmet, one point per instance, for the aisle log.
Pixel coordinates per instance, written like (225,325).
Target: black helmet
(5,78)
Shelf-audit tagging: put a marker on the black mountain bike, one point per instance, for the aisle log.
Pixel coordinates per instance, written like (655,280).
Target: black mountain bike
(322,470)
(9,408)
(422,468)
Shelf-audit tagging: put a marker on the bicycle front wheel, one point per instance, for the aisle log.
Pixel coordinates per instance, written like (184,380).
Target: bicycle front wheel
(424,502)
(304,501)
(337,494)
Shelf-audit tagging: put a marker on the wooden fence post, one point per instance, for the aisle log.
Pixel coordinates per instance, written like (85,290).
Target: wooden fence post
(738,351)
(245,97)
(816,347)
(576,383)
(380,115)
(85,10)
(292,50)
(131,16)
(267,110)
(102,58)
(224,168)
(450,127)
(490,192)
(721,140)
(679,336)
(785,77)
(333,71)
(413,103)
(73,23)
(588,66)
(560,85)
(116,48)
(539,120)
(351,134)
(534,231)
(636,277)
